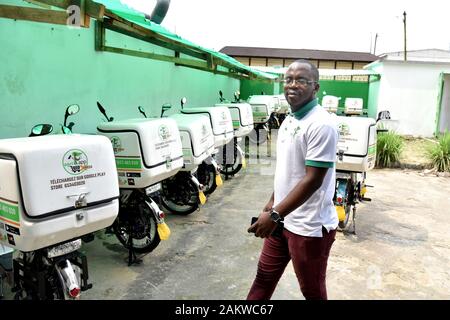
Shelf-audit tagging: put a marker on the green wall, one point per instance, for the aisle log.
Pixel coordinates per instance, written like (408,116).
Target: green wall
(374,89)
(344,89)
(253,87)
(337,88)
(46,67)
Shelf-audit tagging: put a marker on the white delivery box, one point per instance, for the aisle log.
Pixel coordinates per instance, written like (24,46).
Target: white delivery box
(220,121)
(55,188)
(147,151)
(242,116)
(330,103)
(283,105)
(354,106)
(263,106)
(196,137)
(356,148)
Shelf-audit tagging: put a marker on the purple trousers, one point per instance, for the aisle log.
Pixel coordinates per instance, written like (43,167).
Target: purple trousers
(309,257)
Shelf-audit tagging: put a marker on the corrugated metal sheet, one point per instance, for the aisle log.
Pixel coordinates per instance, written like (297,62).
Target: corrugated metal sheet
(298,54)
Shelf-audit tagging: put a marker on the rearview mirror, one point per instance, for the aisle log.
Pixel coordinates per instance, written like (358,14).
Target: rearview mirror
(164,108)
(183,101)
(41,129)
(141,110)
(72,109)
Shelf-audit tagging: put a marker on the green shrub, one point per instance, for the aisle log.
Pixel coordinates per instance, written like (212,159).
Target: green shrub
(439,153)
(389,148)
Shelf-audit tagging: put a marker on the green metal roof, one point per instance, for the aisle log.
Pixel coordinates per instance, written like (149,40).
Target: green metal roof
(136,17)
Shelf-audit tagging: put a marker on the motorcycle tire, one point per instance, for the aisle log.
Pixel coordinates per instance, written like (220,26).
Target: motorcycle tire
(343,225)
(137,218)
(232,169)
(258,135)
(206,175)
(54,288)
(180,195)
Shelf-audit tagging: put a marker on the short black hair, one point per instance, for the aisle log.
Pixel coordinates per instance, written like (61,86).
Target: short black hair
(314,70)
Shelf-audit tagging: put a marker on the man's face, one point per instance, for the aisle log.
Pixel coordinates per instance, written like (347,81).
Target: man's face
(296,92)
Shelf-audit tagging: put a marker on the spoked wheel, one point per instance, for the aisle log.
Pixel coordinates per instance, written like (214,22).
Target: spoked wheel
(206,175)
(180,194)
(137,219)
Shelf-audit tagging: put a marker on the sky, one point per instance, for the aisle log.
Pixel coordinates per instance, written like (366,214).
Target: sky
(341,25)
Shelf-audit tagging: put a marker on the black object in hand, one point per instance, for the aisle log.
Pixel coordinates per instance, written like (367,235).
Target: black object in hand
(278,230)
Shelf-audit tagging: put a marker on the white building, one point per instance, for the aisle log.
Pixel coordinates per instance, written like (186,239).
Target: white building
(416,92)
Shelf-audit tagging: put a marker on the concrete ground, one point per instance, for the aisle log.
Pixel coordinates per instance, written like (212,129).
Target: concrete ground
(401,249)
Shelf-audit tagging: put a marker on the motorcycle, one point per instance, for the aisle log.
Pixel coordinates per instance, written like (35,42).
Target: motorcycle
(140,225)
(264,115)
(232,157)
(58,271)
(356,154)
(221,123)
(183,193)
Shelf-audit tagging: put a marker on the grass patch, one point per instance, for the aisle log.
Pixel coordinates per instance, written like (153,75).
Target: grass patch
(439,154)
(389,148)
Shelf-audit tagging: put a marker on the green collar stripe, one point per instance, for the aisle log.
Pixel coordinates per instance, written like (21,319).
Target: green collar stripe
(299,114)
(319,164)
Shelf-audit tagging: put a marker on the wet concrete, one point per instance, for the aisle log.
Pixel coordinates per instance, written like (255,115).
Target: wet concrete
(401,249)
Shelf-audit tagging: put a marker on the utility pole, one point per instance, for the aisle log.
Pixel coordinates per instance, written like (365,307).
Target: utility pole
(404,34)
(375,45)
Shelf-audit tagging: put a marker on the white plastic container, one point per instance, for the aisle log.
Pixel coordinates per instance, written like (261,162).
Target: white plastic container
(147,151)
(220,121)
(196,137)
(283,105)
(55,188)
(242,117)
(330,103)
(353,106)
(263,106)
(357,143)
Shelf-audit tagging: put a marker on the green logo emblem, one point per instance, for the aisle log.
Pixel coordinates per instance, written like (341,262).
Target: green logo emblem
(116,144)
(75,162)
(296,130)
(164,132)
(344,129)
(204,130)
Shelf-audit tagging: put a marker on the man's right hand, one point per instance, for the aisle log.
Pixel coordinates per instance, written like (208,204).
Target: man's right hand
(264,226)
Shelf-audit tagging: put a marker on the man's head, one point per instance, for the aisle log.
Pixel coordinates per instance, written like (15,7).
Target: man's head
(301,83)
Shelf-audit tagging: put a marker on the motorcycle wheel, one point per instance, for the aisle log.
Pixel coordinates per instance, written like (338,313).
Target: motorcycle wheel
(206,175)
(232,169)
(179,195)
(54,289)
(348,212)
(258,135)
(137,218)
(273,122)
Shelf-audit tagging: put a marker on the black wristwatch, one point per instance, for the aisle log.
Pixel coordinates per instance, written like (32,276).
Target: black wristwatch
(275,216)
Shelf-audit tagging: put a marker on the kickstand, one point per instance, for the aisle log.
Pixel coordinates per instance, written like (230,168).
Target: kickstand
(353,220)
(132,258)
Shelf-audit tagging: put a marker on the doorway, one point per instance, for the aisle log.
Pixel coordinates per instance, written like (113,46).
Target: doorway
(444,120)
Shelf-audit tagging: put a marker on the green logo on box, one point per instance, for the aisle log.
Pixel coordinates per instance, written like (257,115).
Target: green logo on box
(75,162)
(164,132)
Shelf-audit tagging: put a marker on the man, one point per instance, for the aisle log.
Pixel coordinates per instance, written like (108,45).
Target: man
(303,192)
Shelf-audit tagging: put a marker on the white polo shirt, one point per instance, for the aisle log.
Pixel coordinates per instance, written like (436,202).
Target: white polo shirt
(307,138)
